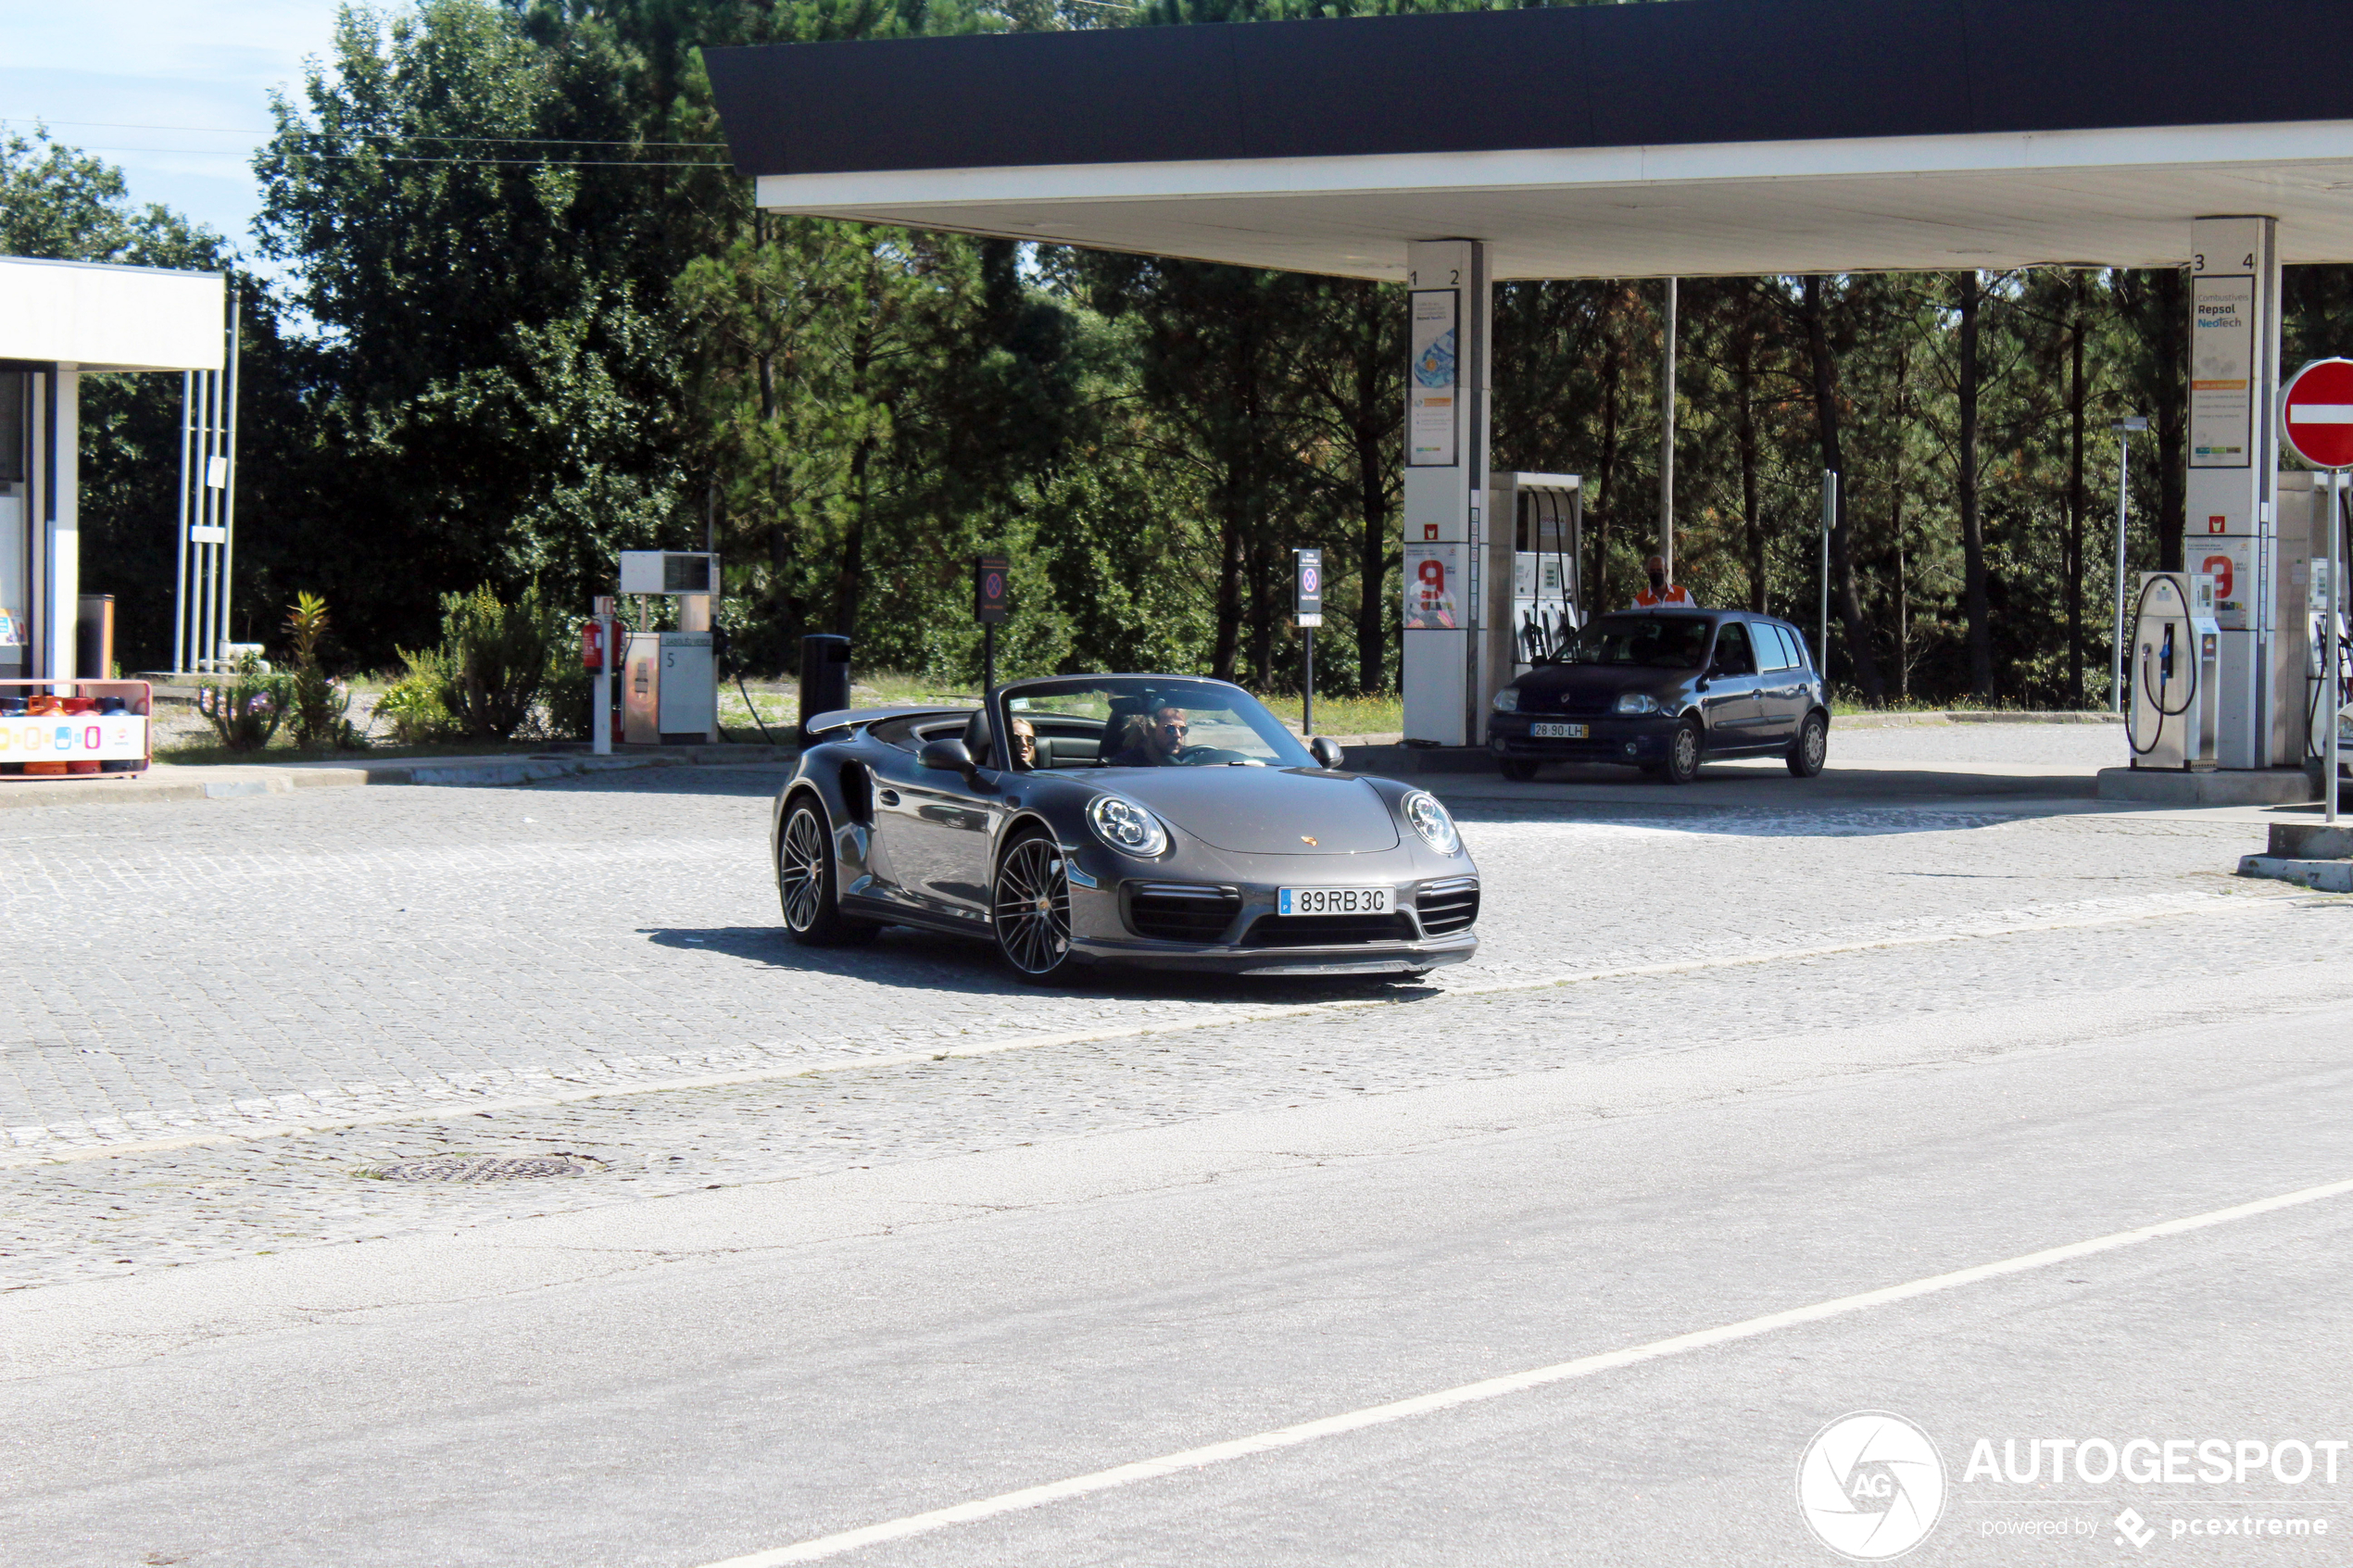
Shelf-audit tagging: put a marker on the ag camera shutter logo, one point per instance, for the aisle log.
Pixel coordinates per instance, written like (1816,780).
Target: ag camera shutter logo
(1871,1485)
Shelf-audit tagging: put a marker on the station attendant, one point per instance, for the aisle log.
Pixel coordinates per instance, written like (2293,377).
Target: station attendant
(1660,595)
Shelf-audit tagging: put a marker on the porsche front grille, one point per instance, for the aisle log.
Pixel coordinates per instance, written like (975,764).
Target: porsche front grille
(1448,907)
(1326,931)
(1180,912)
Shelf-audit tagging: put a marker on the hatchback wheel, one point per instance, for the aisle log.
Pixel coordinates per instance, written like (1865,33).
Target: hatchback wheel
(1811,747)
(1031,910)
(808,885)
(1683,753)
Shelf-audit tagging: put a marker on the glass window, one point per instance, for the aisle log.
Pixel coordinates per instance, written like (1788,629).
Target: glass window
(1797,646)
(1150,721)
(1732,655)
(12,425)
(1772,648)
(1665,642)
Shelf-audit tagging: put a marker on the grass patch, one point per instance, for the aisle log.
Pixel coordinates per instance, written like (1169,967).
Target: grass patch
(1371,713)
(208,754)
(1844,702)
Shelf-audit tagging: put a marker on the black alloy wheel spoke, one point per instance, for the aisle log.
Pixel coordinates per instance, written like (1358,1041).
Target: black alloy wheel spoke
(1033,907)
(801,868)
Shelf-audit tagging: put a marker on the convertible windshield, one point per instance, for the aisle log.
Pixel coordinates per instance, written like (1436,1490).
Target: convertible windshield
(1146,721)
(1665,642)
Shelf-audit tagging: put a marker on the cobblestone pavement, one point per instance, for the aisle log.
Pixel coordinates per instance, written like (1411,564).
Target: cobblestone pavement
(446,961)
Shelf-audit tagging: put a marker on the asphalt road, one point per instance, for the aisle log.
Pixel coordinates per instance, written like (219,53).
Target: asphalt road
(686,1381)
(876,1235)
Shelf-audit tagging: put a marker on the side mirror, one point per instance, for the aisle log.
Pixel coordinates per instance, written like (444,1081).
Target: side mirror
(1326,751)
(949,755)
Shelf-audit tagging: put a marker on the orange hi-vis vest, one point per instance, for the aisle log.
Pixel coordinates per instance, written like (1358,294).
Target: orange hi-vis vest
(1654,598)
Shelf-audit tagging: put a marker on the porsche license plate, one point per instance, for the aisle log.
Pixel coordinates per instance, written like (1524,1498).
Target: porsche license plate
(1560,732)
(1332,900)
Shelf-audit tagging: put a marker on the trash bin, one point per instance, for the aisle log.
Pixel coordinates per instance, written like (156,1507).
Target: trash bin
(94,638)
(824,677)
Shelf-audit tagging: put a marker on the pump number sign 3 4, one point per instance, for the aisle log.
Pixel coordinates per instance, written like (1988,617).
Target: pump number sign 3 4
(2316,413)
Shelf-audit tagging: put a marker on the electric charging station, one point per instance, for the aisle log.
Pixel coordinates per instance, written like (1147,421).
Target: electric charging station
(2176,661)
(670,692)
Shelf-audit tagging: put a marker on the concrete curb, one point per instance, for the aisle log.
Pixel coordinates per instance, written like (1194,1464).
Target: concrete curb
(166,783)
(2311,841)
(2320,876)
(2169,786)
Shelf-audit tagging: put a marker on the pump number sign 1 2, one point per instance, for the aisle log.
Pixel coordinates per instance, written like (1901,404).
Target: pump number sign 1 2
(2316,413)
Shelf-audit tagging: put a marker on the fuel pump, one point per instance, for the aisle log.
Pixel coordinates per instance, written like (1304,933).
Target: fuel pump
(2176,665)
(2317,608)
(1545,514)
(671,690)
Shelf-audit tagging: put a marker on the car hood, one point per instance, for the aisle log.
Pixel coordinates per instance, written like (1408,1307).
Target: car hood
(1265,810)
(1587,688)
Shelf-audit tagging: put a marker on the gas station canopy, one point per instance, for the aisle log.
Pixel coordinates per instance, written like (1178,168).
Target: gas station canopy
(1691,137)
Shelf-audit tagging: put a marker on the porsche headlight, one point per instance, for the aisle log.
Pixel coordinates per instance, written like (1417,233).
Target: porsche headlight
(1637,702)
(1507,700)
(1429,820)
(1126,826)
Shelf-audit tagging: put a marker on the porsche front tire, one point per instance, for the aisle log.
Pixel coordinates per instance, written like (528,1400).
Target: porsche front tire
(1029,910)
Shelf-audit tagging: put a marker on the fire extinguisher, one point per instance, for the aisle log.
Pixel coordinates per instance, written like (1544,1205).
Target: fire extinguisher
(592,653)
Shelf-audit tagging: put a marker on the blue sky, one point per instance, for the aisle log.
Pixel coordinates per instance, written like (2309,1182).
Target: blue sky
(104,74)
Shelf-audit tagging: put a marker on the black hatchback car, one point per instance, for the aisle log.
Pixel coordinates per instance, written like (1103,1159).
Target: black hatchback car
(1664,690)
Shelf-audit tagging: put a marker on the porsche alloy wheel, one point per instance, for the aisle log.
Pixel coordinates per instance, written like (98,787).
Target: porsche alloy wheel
(1031,910)
(806,885)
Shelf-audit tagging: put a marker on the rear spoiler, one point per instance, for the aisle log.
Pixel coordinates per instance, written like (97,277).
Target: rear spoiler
(849,717)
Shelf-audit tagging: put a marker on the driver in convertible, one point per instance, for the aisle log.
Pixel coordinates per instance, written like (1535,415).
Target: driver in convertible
(1160,744)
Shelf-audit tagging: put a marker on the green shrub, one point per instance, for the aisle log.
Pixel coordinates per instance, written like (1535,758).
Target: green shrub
(487,677)
(413,704)
(319,705)
(571,698)
(496,658)
(245,710)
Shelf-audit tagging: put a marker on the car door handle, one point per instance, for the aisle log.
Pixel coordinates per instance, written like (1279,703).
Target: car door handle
(889,797)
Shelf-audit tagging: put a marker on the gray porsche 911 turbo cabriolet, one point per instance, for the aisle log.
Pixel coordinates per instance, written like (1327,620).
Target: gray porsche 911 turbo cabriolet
(1162,820)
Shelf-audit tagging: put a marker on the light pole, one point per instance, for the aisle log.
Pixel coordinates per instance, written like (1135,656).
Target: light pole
(1829,521)
(2124,429)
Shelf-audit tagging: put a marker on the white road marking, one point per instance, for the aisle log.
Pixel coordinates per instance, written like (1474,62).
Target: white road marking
(1497,1387)
(452,1097)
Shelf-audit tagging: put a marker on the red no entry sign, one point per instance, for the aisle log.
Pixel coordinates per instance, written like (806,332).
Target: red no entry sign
(2317,413)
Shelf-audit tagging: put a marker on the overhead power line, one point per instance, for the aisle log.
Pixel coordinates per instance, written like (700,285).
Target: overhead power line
(356,135)
(394,157)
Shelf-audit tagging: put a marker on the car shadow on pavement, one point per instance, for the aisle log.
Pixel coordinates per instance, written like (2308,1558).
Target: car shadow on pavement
(905,958)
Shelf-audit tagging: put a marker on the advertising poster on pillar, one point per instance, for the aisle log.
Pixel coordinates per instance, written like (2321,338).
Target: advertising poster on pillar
(1430,381)
(2231,562)
(2222,372)
(1432,573)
